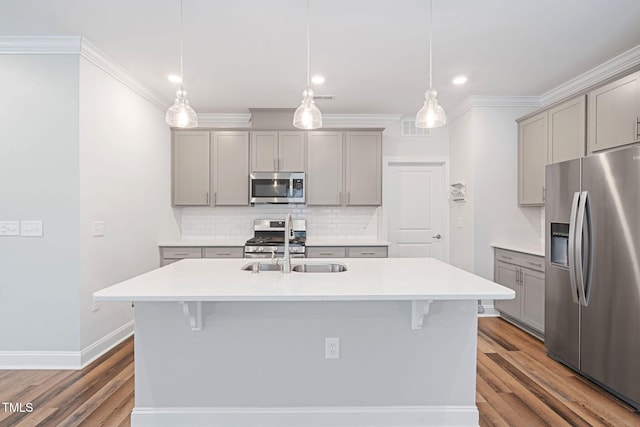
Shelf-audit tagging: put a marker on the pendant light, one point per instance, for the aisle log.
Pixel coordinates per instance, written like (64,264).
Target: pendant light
(307,115)
(431,115)
(180,114)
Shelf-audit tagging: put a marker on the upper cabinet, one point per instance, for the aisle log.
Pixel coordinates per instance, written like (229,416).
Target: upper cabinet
(363,168)
(614,113)
(532,158)
(277,151)
(190,168)
(230,168)
(324,168)
(551,136)
(567,130)
(344,168)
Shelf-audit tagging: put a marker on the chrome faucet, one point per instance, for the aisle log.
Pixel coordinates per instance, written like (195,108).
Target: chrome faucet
(288,231)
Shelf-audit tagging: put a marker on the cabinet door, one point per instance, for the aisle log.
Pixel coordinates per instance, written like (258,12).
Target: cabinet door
(230,168)
(613,113)
(190,172)
(532,158)
(567,130)
(508,275)
(533,298)
(324,168)
(291,152)
(363,172)
(264,151)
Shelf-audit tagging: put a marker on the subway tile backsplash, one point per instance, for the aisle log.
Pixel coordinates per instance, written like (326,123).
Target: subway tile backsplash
(322,222)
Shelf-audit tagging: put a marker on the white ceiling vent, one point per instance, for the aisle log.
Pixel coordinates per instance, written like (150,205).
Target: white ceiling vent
(409,129)
(323,97)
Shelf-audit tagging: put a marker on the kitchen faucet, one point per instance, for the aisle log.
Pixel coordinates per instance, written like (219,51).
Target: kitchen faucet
(286,259)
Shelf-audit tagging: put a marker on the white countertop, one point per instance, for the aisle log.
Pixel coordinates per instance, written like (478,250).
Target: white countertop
(519,248)
(365,279)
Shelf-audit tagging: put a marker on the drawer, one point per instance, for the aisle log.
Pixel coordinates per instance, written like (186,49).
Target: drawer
(224,252)
(326,252)
(181,253)
(533,262)
(367,252)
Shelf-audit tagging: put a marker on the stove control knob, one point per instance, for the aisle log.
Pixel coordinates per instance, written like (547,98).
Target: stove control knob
(260,249)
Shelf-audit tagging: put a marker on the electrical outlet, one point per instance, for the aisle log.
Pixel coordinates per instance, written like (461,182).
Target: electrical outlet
(98,228)
(95,305)
(31,228)
(9,228)
(332,348)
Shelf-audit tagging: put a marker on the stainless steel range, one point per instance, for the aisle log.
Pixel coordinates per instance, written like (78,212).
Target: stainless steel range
(268,239)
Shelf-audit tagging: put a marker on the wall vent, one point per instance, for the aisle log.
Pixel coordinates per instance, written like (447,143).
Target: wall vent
(324,97)
(409,129)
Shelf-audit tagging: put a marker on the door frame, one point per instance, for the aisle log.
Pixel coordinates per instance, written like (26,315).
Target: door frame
(387,164)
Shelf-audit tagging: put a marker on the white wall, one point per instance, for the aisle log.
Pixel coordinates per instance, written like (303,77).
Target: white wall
(435,145)
(39,276)
(484,149)
(125,181)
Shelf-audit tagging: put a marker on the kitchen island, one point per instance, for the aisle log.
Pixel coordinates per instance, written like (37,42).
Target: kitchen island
(215,345)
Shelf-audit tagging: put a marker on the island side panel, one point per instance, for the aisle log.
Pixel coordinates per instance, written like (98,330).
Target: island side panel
(272,355)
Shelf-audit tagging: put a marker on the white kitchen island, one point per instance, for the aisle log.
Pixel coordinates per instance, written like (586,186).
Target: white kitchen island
(218,346)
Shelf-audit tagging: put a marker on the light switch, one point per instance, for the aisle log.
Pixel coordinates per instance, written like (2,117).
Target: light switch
(98,228)
(31,228)
(9,228)
(459,222)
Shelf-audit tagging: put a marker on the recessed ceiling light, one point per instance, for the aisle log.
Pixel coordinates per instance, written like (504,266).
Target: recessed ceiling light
(317,79)
(174,78)
(460,80)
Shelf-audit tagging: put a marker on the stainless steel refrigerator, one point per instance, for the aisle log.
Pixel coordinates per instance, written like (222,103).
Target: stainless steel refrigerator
(592,286)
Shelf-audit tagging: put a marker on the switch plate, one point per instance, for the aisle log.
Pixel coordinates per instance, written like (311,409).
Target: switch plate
(31,228)
(332,348)
(98,228)
(459,222)
(9,228)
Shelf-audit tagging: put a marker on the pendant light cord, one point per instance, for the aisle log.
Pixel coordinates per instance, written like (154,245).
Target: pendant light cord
(430,37)
(181,71)
(308,48)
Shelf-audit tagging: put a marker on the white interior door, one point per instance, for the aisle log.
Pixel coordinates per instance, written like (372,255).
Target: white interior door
(414,205)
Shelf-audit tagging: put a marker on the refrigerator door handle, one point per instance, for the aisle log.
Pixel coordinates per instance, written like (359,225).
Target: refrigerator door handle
(572,247)
(586,259)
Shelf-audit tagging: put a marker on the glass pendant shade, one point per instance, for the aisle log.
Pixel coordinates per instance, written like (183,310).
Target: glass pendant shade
(431,115)
(180,114)
(307,115)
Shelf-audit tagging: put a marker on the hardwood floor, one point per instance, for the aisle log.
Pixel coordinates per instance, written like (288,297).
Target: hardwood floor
(517,385)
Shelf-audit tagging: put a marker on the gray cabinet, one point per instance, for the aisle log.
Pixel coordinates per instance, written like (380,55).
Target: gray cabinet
(230,168)
(190,168)
(277,151)
(532,158)
(524,273)
(324,168)
(363,168)
(567,130)
(614,113)
(344,168)
(347,252)
(171,254)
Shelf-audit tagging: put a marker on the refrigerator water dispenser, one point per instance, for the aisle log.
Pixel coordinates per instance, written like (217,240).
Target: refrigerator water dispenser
(559,244)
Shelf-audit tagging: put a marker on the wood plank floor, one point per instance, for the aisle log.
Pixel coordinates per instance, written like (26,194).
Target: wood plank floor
(517,385)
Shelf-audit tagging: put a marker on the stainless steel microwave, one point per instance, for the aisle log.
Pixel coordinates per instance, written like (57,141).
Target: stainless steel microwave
(277,187)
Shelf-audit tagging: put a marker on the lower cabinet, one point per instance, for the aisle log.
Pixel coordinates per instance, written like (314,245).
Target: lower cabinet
(524,273)
(347,252)
(171,254)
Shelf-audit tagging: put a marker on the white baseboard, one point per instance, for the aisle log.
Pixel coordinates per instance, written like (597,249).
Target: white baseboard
(64,359)
(387,416)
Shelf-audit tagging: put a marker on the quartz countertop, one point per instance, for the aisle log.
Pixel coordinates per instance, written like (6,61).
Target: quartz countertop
(519,248)
(365,280)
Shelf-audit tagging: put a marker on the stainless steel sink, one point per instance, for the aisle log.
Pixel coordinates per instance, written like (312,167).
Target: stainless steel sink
(261,266)
(319,268)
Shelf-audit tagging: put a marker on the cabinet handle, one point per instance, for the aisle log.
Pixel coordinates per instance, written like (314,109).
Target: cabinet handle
(207,197)
(367,253)
(637,126)
(326,253)
(340,197)
(544,194)
(505,257)
(348,197)
(535,263)
(223,253)
(181,254)
(215,197)
(275,165)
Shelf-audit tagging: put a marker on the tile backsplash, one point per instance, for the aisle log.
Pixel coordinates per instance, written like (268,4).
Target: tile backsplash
(335,222)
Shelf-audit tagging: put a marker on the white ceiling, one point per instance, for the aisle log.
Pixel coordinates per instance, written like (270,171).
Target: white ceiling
(242,54)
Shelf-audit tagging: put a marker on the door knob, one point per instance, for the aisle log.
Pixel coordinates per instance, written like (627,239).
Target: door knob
(437,237)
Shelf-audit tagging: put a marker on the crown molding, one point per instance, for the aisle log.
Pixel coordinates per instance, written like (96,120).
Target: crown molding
(494,101)
(359,120)
(597,75)
(36,45)
(76,45)
(224,120)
